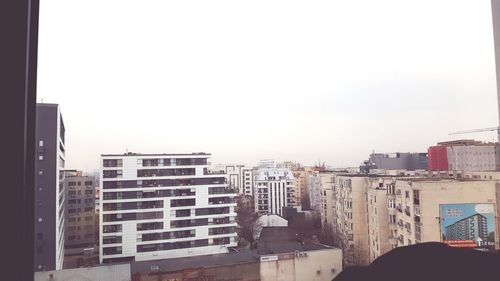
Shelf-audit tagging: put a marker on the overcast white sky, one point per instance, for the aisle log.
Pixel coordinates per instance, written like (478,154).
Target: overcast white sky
(251,80)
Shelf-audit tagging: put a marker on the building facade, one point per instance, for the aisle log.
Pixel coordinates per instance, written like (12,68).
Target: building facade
(157,206)
(314,192)
(49,188)
(381,217)
(351,220)
(301,186)
(239,177)
(464,155)
(396,161)
(419,201)
(80,212)
(273,190)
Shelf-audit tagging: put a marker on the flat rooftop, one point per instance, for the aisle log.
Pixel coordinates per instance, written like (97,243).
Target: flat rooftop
(177,264)
(157,154)
(228,259)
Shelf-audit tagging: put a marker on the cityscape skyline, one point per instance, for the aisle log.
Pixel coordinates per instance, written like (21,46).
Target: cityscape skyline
(276,87)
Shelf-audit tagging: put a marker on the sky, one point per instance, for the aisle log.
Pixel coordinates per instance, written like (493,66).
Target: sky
(305,81)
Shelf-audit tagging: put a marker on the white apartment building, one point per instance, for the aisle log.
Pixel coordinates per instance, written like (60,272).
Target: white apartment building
(273,190)
(247,181)
(239,177)
(157,206)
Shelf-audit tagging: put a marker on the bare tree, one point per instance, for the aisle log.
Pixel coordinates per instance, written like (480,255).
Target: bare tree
(327,235)
(246,219)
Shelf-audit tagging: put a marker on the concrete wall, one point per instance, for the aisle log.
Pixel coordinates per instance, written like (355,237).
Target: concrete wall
(434,193)
(378,222)
(319,265)
(239,272)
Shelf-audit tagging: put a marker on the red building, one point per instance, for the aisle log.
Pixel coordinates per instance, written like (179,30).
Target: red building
(438,158)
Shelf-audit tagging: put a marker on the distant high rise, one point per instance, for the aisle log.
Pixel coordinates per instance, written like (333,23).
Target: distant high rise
(49,188)
(464,155)
(238,177)
(273,190)
(157,206)
(396,161)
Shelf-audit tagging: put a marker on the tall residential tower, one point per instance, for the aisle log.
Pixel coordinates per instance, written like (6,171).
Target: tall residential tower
(157,206)
(49,188)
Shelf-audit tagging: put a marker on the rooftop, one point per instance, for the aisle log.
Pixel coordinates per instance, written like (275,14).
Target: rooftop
(177,264)
(228,259)
(157,154)
(98,273)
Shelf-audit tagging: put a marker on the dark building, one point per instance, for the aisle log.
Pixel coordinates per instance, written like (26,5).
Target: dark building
(49,188)
(80,212)
(396,161)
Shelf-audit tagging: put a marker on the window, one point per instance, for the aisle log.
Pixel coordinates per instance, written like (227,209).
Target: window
(40,157)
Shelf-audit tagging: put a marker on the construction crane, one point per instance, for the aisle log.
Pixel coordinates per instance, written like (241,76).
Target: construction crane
(495,11)
(477,131)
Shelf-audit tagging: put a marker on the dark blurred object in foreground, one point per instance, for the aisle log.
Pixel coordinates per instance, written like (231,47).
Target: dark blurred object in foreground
(428,261)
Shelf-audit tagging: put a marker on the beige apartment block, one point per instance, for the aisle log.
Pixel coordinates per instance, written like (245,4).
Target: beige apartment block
(327,200)
(381,217)
(418,205)
(351,217)
(301,183)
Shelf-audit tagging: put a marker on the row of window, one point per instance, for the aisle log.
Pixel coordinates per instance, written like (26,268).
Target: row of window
(162,183)
(77,219)
(158,162)
(79,192)
(79,201)
(165,172)
(132,216)
(132,205)
(79,210)
(148,194)
(173,224)
(79,183)
(166,235)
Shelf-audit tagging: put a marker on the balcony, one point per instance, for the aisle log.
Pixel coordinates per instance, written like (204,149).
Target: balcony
(417,210)
(211,172)
(220,190)
(407,211)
